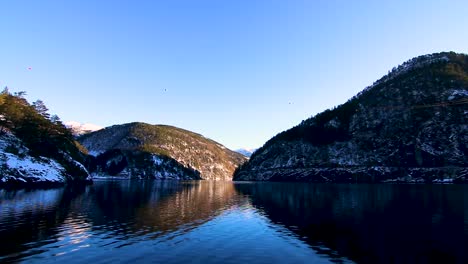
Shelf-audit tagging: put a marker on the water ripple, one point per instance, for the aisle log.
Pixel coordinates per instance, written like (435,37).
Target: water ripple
(209,222)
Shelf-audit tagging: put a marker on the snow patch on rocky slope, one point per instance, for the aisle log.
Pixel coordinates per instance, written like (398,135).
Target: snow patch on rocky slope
(16,166)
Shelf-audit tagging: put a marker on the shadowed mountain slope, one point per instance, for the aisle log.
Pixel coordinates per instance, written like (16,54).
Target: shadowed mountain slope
(411,125)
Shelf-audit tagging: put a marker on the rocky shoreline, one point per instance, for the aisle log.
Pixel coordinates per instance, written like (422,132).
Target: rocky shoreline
(360,174)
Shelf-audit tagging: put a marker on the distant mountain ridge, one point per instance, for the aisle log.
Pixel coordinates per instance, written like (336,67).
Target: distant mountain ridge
(158,151)
(79,129)
(246,151)
(410,126)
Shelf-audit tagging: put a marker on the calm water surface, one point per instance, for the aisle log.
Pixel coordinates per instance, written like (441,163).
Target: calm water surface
(224,222)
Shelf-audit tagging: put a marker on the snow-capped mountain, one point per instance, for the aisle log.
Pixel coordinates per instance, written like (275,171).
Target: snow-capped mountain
(79,129)
(246,151)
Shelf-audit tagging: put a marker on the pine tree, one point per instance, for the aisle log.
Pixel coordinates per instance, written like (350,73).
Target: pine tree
(41,108)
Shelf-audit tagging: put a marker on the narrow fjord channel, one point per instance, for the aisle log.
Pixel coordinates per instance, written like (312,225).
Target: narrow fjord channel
(229,222)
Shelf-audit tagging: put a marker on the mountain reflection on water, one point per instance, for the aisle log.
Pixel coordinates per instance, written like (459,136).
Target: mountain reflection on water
(372,223)
(213,222)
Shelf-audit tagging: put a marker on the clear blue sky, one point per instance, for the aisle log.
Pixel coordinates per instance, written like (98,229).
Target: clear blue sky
(237,71)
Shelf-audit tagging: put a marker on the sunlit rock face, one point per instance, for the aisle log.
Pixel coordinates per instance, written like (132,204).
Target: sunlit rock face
(157,151)
(409,126)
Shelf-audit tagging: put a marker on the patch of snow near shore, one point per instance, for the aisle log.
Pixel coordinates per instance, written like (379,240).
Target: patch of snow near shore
(23,167)
(44,170)
(458,93)
(95,153)
(107,177)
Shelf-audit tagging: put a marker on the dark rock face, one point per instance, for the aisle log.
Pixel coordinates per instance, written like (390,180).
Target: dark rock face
(411,125)
(139,164)
(157,151)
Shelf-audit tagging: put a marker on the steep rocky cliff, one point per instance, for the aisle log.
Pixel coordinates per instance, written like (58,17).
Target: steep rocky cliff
(411,126)
(158,151)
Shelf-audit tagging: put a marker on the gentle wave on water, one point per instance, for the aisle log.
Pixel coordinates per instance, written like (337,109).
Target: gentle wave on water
(224,222)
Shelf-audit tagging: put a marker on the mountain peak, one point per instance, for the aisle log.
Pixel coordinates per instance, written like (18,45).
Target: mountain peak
(415,63)
(246,151)
(410,124)
(191,150)
(79,129)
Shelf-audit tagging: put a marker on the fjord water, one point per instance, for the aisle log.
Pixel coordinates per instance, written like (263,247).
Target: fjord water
(225,222)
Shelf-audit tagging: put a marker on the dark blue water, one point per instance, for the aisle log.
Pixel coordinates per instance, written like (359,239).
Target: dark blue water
(224,222)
